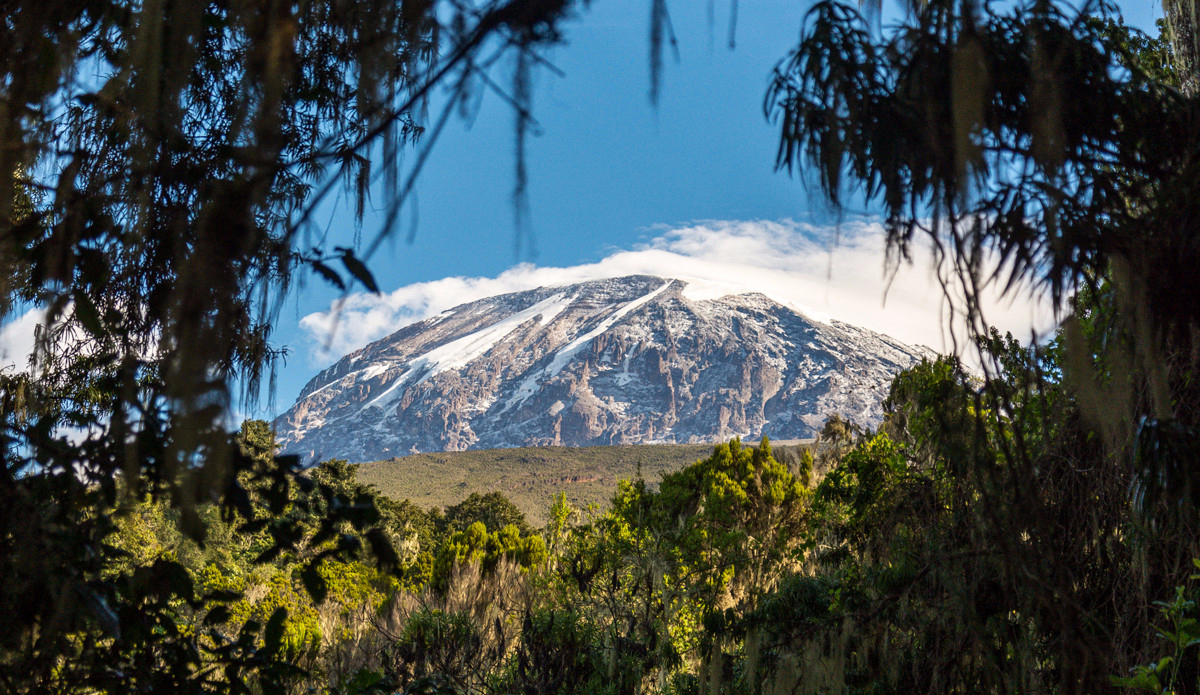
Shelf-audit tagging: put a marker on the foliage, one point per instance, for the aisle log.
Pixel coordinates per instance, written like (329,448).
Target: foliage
(161,162)
(439,644)
(1181,632)
(741,511)
(1001,532)
(493,510)
(732,576)
(1037,147)
(660,570)
(559,652)
(1032,145)
(477,545)
(527,475)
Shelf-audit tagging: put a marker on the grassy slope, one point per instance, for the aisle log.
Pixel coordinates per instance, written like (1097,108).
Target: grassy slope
(530,477)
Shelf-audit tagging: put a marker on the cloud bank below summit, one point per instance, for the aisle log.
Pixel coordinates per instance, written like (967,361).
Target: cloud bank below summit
(823,272)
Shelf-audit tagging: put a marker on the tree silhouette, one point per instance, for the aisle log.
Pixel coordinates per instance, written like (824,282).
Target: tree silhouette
(161,163)
(1055,146)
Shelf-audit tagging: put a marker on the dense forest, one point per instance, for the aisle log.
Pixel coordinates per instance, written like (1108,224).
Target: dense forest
(1031,527)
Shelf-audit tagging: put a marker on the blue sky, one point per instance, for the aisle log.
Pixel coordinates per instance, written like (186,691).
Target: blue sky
(616,186)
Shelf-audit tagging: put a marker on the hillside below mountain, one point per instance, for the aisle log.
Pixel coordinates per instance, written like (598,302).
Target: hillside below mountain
(619,361)
(532,476)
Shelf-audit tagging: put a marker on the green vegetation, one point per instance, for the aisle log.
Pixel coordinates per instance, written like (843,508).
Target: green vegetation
(531,477)
(878,561)
(160,166)
(1032,529)
(475,601)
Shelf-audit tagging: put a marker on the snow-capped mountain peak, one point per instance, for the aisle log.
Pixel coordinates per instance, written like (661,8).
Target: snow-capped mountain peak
(618,361)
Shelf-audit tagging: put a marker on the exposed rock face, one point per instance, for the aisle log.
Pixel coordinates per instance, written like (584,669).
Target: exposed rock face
(621,361)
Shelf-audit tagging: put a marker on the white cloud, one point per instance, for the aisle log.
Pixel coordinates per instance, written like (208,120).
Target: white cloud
(823,272)
(17,338)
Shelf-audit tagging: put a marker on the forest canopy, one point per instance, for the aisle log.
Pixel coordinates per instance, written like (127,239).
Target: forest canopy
(1029,529)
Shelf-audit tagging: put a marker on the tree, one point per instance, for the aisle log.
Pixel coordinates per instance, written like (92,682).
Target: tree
(664,571)
(1051,144)
(161,162)
(1067,180)
(475,545)
(742,511)
(493,510)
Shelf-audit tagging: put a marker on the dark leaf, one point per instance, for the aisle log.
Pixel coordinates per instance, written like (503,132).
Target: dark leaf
(314,583)
(192,525)
(87,314)
(329,274)
(269,554)
(359,270)
(217,615)
(173,577)
(273,635)
(381,548)
(222,596)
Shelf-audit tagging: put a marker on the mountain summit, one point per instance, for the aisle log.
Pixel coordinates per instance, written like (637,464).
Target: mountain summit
(619,361)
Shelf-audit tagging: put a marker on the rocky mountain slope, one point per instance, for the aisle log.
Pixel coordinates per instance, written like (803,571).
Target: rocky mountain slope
(619,361)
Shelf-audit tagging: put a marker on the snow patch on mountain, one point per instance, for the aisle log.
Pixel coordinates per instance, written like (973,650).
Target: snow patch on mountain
(458,353)
(529,386)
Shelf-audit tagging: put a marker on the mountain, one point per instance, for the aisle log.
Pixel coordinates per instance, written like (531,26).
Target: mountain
(618,361)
